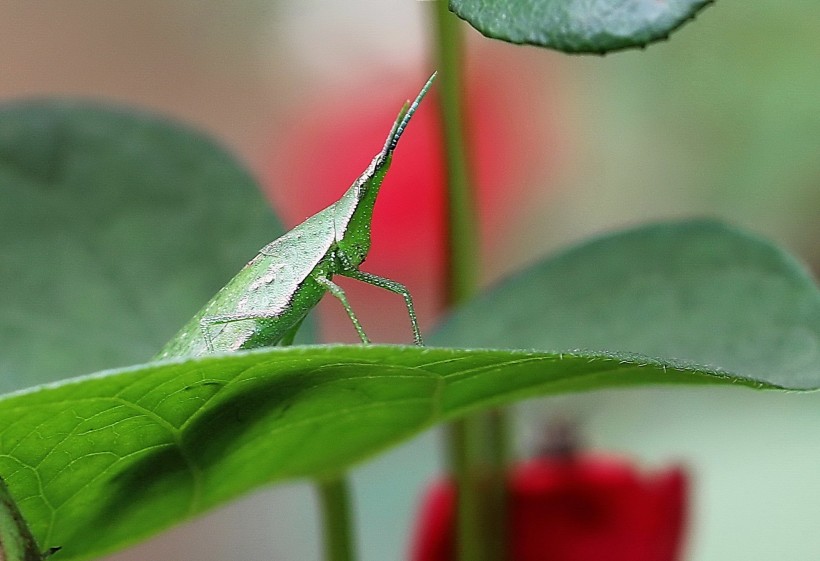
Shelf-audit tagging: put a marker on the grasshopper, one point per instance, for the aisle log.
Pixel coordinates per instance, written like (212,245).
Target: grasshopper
(266,302)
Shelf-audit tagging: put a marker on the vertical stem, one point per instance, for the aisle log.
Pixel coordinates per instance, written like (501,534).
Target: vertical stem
(462,225)
(334,499)
(496,431)
(468,545)
(477,445)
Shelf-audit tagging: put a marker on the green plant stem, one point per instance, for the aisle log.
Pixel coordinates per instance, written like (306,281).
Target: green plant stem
(477,449)
(477,445)
(334,499)
(462,225)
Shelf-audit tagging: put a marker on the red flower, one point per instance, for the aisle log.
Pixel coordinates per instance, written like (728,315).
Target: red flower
(583,508)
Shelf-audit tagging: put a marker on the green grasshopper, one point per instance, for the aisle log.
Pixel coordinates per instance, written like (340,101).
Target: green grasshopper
(266,302)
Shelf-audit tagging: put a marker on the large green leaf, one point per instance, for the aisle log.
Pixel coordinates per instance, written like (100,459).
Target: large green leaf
(115,227)
(578,26)
(697,291)
(136,450)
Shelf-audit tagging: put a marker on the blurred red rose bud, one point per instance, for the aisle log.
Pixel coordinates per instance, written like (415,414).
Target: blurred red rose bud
(575,508)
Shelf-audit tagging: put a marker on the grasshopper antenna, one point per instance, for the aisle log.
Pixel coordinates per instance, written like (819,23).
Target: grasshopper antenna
(404,117)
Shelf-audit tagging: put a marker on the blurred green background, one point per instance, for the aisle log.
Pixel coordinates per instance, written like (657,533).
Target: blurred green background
(722,120)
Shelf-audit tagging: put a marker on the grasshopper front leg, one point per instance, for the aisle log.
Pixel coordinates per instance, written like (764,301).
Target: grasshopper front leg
(392,286)
(337,291)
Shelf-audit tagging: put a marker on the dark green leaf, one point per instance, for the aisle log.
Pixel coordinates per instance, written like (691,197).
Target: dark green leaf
(698,291)
(578,26)
(136,450)
(115,228)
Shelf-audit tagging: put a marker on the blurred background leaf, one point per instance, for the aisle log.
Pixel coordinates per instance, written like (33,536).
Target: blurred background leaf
(697,291)
(576,26)
(116,227)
